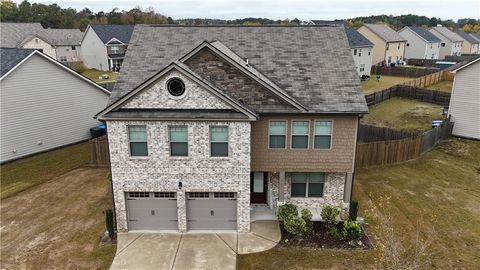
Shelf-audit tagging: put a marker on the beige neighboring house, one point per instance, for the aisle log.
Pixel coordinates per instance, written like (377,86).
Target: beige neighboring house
(389,46)
(471,43)
(451,43)
(464,108)
(61,44)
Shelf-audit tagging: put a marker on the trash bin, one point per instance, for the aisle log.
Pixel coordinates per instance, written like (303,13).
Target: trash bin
(103,128)
(95,132)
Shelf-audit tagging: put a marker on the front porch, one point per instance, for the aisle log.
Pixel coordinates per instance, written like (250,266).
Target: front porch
(265,212)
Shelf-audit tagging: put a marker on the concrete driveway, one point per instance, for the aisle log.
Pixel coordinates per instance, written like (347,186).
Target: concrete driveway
(192,250)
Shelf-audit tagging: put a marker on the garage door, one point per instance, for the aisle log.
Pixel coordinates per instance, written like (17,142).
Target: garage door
(152,211)
(212,211)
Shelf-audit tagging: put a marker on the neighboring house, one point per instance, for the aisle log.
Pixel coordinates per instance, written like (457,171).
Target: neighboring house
(420,43)
(44,104)
(61,44)
(471,43)
(360,46)
(222,118)
(104,45)
(12,34)
(464,108)
(451,43)
(389,46)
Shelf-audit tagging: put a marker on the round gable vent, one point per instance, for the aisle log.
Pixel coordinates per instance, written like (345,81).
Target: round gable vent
(175,87)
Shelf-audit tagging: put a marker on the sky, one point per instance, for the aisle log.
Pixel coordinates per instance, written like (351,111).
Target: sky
(282,9)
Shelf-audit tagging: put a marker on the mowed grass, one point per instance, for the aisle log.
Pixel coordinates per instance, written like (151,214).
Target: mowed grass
(385,82)
(444,86)
(94,75)
(25,173)
(403,114)
(438,193)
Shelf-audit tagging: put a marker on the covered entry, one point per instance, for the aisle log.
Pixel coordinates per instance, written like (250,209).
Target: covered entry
(211,211)
(152,211)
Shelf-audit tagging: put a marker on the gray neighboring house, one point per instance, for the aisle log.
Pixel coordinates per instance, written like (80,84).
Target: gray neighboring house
(12,34)
(360,46)
(421,44)
(471,43)
(224,120)
(44,104)
(61,44)
(451,43)
(104,46)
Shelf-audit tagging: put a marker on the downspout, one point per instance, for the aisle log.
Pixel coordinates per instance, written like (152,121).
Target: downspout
(354,159)
(111,182)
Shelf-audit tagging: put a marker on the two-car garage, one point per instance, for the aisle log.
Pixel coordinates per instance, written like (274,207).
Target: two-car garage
(156,211)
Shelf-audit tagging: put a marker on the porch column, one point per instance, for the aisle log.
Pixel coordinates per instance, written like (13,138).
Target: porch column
(281,188)
(110,64)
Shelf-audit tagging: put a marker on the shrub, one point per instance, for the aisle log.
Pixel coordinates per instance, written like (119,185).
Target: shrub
(286,210)
(353,211)
(351,229)
(307,217)
(329,215)
(295,225)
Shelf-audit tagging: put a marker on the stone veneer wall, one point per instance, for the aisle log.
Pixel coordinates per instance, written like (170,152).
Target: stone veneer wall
(198,172)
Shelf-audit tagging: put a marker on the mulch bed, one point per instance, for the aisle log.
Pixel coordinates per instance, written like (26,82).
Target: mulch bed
(322,238)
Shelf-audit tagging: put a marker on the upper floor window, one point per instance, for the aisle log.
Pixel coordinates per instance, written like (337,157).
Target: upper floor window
(73,48)
(388,45)
(323,134)
(443,44)
(219,141)
(63,59)
(178,136)
(114,50)
(307,184)
(398,46)
(431,46)
(354,51)
(175,87)
(359,52)
(300,131)
(137,136)
(277,132)
(369,51)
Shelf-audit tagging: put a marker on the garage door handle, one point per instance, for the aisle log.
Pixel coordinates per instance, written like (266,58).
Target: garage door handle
(191,220)
(173,220)
(132,220)
(232,220)
(232,199)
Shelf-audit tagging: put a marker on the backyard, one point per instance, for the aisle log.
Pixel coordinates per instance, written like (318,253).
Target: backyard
(374,85)
(95,74)
(444,86)
(436,196)
(403,114)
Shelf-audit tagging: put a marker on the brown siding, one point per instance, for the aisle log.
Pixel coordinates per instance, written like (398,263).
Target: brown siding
(121,49)
(338,159)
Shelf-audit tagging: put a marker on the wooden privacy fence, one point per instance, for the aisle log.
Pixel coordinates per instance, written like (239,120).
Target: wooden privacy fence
(369,133)
(394,151)
(403,71)
(100,156)
(405,91)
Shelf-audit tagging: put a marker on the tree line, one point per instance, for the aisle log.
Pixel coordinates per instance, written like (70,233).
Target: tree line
(54,16)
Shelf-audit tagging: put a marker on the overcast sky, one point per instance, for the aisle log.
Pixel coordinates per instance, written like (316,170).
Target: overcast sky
(281,9)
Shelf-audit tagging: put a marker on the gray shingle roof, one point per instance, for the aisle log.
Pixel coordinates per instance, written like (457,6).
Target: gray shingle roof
(424,33)
(11,57)
(12,34)
(468,37)
(355,39)
(106,32)
(444,31)
(307,62)
(58,37)
(384,32)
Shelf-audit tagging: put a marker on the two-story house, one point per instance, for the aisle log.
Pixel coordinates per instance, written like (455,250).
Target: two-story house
(221,118)
(389,46)
(451,43)
(420,43)
(471,43)
(104,46)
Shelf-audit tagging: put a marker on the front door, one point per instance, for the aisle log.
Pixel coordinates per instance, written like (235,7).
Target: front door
(258,187)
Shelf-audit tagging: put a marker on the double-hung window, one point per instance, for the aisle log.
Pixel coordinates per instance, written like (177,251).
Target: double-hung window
(307,184)
(114,50)
(300,131)
(277,132)
(219,141)
(137,136)
(323,134)
(178,136)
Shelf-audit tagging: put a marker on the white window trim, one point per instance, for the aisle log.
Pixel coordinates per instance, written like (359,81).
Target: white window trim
(129,141)
(331,134)
(210,141)
(307,184)
(286,133)
(291,134)
(170,142)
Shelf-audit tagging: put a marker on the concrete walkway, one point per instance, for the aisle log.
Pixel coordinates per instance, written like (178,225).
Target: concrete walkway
(193,250)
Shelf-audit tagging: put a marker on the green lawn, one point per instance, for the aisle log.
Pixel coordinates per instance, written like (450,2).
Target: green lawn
(436,196)
(403,114)
(444,86)
(25,173)
(94,74)
(373,85)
